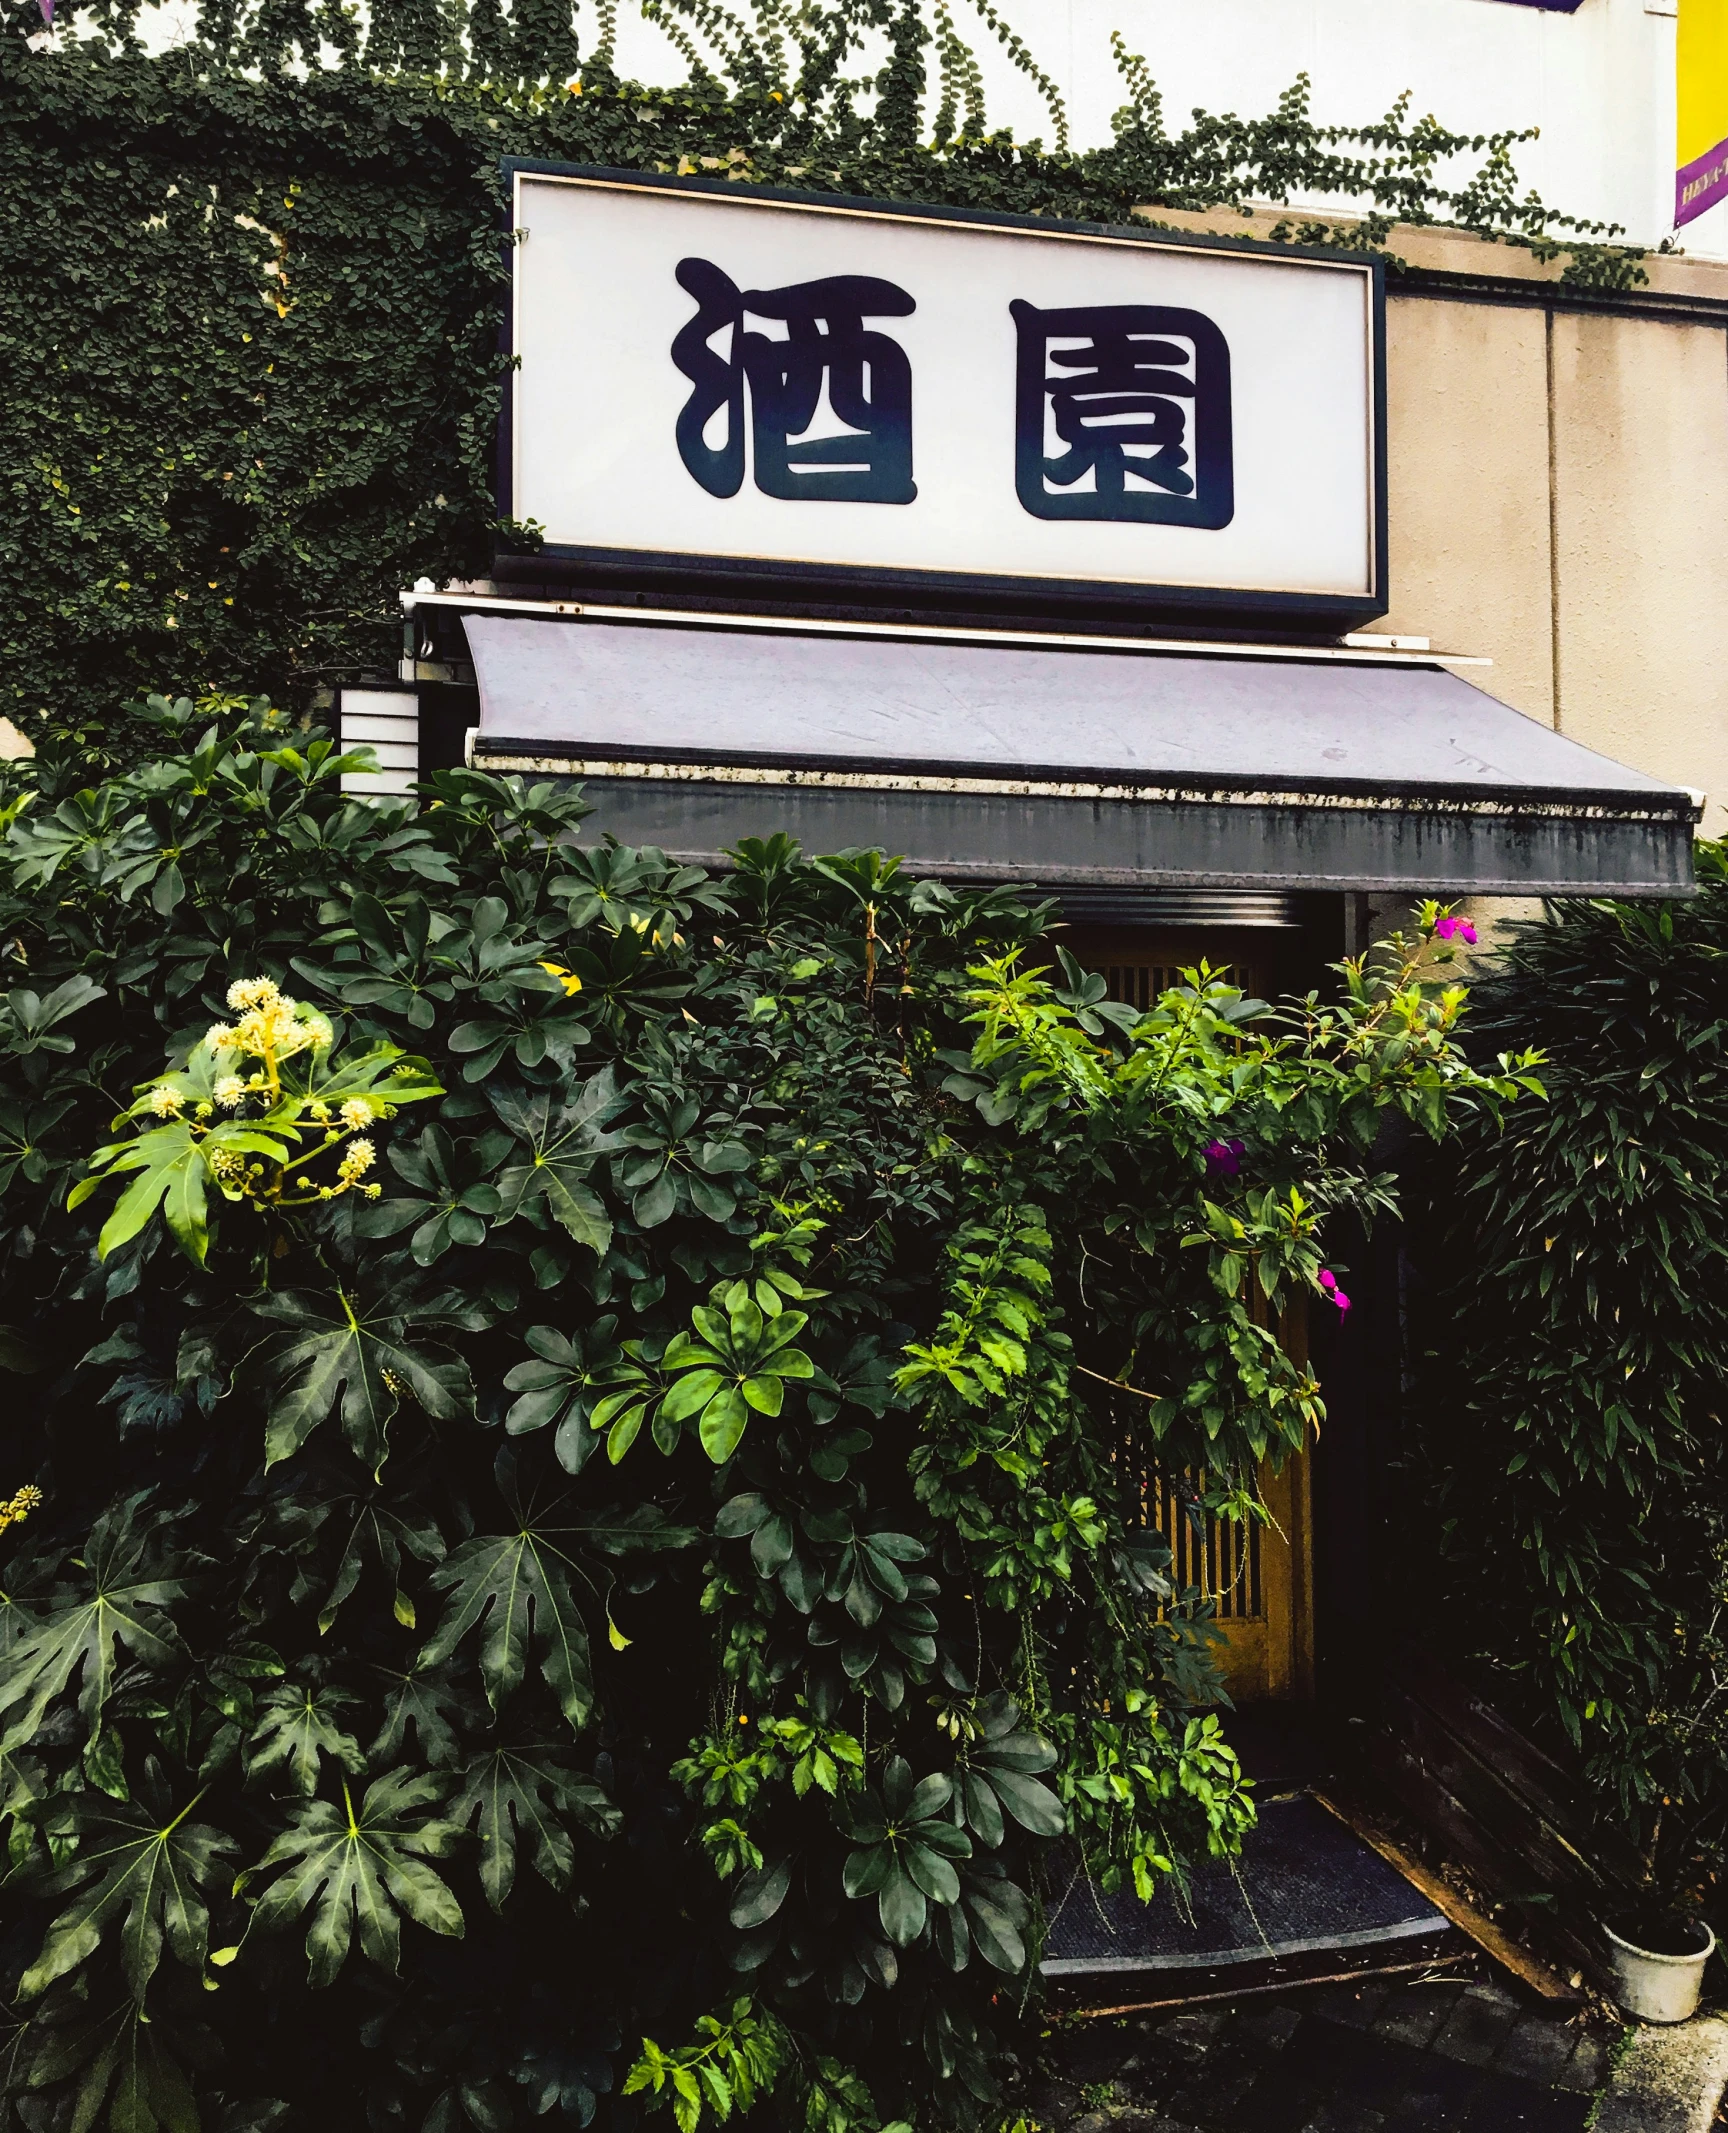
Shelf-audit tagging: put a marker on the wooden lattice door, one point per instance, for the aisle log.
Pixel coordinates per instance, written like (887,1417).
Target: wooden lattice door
(1259,1576)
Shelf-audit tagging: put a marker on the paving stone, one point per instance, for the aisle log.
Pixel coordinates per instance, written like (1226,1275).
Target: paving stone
(1345,2118)
(1218,2102)
(1265,2029)
(1587,2068)
(1536,2048)
(1477,2026)
(1506,2106)
(1377,2070)
(1052,2102)
(1416,2015)
(1194,2028)
(1094,2052)
(1354,2005)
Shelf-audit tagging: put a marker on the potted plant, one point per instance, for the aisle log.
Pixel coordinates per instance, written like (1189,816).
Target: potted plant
(1657,1959)
(1659,1945)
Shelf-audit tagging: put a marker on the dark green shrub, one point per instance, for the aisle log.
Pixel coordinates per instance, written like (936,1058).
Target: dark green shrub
(670,1564)
(1577,1317)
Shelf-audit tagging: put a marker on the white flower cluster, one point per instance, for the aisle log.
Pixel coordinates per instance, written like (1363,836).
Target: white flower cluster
(271,1026)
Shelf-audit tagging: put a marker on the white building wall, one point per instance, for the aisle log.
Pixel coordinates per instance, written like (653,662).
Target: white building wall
(1599,83)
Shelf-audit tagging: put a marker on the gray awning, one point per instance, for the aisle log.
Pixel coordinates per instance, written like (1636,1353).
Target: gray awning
(1040,763)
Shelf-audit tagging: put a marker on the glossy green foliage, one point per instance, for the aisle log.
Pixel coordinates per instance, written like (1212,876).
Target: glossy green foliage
(250,313)
(1574,1272)
(673,1563)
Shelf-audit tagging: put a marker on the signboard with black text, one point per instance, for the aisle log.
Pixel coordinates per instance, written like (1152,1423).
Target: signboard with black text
(753,388)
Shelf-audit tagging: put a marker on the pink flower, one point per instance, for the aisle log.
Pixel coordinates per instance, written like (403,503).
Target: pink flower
(1223,1158)
(1331,1291)
(1456,929)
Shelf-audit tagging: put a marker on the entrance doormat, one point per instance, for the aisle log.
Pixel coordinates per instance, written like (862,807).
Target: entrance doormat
(1304,1883)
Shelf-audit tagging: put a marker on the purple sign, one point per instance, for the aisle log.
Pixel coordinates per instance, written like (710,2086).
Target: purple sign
(1699,184)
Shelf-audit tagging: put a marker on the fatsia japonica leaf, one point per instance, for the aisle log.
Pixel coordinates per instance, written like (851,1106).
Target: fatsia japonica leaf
(121,2057)
(75,1641)
(564,1141)
(529,1796)
(430,1704)
(143,1870)
(299,1727)
(362,1869)
(374,1527)
(353,1350)
(515,1589)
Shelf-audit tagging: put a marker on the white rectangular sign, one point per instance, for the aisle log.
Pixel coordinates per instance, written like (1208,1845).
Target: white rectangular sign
(727,382)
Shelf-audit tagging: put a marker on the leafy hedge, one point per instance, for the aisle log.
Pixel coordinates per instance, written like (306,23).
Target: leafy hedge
(249,312)
(582,1435)
(1578,1310)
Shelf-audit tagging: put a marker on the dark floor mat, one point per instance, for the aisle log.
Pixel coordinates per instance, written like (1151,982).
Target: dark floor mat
(1304,1882)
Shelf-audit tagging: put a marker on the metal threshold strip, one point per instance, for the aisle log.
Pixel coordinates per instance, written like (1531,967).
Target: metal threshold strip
(1060,764)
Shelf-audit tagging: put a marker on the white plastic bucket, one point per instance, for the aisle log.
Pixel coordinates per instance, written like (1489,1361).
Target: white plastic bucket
(1658,1988)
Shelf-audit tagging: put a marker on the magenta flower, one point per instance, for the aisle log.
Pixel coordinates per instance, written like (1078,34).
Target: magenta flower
(1331,1291)
(1456,929)
(1223,1158)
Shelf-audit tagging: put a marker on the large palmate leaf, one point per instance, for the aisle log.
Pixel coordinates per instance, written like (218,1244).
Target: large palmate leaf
(28,1020)
(529,1796)
(75,1641)
(349,1348)
(907,1848)
(515,1589)
(564,1141)
(428,1702)
(300,1725)
(119,2056)
(142,1869)
(376,1527)
(362,1869)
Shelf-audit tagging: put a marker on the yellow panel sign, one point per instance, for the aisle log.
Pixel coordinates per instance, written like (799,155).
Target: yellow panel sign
(1702,100)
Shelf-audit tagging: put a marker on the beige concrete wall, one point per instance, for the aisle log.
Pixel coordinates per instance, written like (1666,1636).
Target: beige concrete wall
(1641,538)
(1559,503)
(1467,479)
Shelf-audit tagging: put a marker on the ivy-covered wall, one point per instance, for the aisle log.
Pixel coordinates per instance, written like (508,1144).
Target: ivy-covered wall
(249,306)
